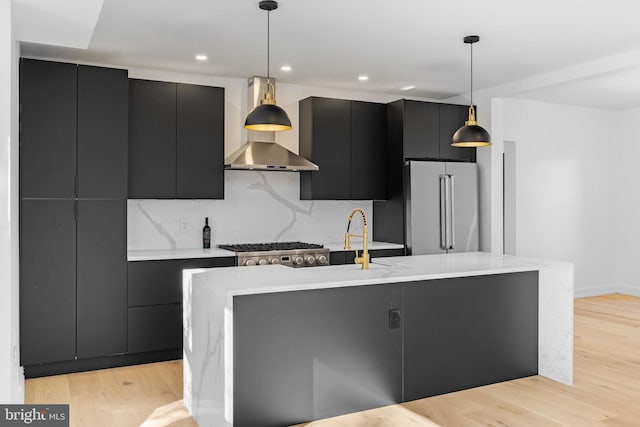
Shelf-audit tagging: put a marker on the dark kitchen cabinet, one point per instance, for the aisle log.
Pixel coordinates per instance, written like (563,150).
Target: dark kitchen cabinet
(103,96)
(347,140)
(420,129)
(314,354)
(155,301)
(101,277)
(73,139)
(47,281)
(325,139)
(48,126)
(73,182)
(347,257)
(468,332)
(423,130)
(176,141)
(153,328)
(200,142)
(368,151)
(152,139)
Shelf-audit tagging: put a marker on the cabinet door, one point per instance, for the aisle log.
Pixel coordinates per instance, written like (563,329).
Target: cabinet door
(47,281)
(200,142)
(48,120)
(152,140)
(328,144)
(368,151)
(452,118)
(420,133)
(155,328)
(103,102)
(160,282)
(102,277)
(468,332)
(306,355)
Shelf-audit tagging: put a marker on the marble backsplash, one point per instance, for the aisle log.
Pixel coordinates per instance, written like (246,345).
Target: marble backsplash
(258,207)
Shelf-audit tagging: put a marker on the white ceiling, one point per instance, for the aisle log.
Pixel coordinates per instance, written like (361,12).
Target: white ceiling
(568,51)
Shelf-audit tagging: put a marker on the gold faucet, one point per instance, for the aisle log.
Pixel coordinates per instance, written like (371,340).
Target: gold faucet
(364,259)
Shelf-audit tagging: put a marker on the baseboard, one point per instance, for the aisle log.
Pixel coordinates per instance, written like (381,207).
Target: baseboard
(595,291)
(115,361)
(629,290)
(605,290)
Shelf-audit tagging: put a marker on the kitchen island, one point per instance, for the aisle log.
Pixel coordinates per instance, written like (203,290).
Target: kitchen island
(274,345)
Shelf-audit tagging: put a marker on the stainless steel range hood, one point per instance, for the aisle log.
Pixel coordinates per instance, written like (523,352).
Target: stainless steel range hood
(262,152)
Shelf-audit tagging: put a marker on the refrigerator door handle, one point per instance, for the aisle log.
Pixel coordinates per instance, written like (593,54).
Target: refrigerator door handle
(451,244)
(443,212)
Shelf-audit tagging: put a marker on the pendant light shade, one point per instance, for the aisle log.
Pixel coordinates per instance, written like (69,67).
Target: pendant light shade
(471,134)
(268,116)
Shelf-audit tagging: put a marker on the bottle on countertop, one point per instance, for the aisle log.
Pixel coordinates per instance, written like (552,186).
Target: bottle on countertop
(206,234)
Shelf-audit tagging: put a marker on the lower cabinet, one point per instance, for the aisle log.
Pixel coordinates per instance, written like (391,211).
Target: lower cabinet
(347,257)
(47,281)
(315,354)
(156,327)
(72,279)
(306,355)
(155,301)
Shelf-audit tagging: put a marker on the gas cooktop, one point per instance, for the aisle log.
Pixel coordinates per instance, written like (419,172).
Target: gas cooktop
(292,254)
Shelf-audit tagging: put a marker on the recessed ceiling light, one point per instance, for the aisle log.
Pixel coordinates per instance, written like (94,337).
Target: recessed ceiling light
(363,78)
(286,68)
(409,87)
(201,57)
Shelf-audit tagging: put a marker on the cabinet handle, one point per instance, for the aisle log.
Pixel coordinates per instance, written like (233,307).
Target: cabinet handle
(443,212)
(76,185)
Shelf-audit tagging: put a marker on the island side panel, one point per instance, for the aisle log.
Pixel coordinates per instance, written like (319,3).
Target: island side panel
(555,352)
(205,363)
(305,355)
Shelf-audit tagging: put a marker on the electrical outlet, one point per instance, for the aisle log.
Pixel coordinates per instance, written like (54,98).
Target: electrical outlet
(185,226)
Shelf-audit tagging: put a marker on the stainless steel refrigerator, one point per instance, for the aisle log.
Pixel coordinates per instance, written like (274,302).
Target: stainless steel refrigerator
(441,207)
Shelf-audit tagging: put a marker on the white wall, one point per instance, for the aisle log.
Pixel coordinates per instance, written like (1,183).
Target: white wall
(11,378)
(626,175)
(565,182)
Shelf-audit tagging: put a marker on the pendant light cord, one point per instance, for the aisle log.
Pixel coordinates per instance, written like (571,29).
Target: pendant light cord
(268,42)
(471,73)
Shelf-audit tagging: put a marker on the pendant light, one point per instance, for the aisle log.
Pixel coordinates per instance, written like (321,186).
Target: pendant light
(471,135)
(268,116)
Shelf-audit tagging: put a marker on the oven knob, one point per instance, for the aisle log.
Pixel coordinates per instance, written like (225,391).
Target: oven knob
(298,260)
(275,261)
(250,262)
(262,261)
(310,260)
(322,259)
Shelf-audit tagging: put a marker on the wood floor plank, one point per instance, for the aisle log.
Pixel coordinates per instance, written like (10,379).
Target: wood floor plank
(606,390)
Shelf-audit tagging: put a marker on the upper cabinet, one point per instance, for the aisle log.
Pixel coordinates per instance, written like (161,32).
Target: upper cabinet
(347,140)
(176,141)
(73,131)
(423,130)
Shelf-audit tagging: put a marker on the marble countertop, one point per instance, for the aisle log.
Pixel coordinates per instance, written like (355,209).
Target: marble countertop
(160,254)
(277,278)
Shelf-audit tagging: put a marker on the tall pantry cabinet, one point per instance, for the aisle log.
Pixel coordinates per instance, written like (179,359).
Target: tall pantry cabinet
(73,190)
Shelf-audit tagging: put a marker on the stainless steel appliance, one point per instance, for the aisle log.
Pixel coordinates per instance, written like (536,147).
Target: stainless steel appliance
(441,207)
(292,254)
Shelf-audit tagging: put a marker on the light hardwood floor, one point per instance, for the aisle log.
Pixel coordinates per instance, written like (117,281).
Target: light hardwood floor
(606,390)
